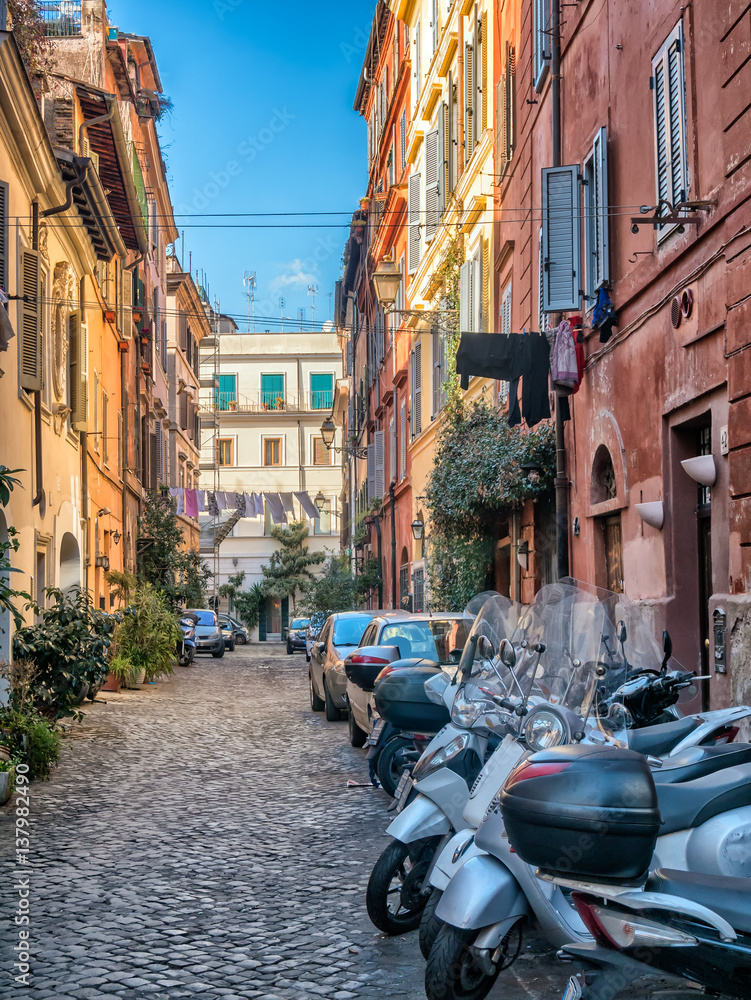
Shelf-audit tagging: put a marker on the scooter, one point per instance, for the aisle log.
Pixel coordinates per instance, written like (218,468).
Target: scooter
(186,648)
(431,799)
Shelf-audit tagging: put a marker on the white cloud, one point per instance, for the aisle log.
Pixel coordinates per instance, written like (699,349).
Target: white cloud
(294,275)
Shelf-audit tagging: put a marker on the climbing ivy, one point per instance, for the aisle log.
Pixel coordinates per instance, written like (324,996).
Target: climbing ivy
(447,297)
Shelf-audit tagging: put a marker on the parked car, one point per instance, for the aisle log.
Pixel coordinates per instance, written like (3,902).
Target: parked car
(340,634)
(241,633)
(209,638)
(296,639)
(312,632)
(392,636)
(228,634)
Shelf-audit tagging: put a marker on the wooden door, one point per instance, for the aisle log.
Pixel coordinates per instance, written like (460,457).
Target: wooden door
(613,553)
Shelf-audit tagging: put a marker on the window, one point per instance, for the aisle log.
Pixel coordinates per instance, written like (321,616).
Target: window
(322,524)
(417,389)
(403,142)
(596,217)
(321,391)
(61,17)
(225,451)
(542,41)
(392,450)
(272,392)
(105,428)
(561,239)
(227,393)
(669,85)
(471,293)
(418,590)
(321,454)
(505,112)
(404,587)
(505,327)
(403,441)
(414,219)
(272,451)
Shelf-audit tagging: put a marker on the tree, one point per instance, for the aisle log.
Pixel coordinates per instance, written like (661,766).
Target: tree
(248,605)
(289,568)
(28,28)
(231,588)
(7,594)
(181,576)
(334,590)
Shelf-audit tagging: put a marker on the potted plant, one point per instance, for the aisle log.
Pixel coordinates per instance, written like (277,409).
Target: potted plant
(7,778)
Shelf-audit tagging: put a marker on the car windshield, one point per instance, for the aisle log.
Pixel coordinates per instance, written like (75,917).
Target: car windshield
(300,623)
(205,617)
(348,631)
(435,639)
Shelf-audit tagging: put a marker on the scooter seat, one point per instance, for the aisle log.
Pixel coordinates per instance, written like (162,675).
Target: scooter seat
(687,805)
(657,740)
(699,761)
(728,897)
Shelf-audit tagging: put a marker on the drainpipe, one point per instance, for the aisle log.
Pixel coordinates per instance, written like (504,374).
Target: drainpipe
(83,444)
(39,495)
(561,478)
(126,450)
(461,97)
(392,498)
(94,121)
(377,521)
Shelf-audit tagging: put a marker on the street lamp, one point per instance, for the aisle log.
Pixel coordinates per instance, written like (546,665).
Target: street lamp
(320,501)
(418,529)
(532,472)
(387,280)
(328,432)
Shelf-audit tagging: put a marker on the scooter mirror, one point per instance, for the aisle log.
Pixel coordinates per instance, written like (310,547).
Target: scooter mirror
(667,648)
(455,655)
(507,653)
(485,648)
(622,632)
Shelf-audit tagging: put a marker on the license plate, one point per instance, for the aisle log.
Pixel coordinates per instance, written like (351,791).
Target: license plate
(573,991)
(375,732)
(403,789)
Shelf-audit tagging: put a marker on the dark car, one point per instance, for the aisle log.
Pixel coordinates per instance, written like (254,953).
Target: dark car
(340,634)
(393,636)
(209,638)
(296,634)
(313,631)
(238,629)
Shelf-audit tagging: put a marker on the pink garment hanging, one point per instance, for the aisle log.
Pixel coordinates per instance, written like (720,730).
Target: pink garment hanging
(191,503)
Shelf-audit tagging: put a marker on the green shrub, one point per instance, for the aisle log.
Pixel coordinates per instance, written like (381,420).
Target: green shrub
(148,635)
(31,739)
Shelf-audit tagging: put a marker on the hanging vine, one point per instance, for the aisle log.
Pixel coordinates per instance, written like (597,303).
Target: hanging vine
(447,297)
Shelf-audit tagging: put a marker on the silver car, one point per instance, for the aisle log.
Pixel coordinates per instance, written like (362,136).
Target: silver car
(396,636)
(341,633)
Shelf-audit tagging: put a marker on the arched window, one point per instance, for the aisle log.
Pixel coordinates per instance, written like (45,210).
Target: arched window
(603,486)
(70,563)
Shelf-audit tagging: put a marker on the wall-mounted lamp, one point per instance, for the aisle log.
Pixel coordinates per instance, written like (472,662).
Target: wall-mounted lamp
(702,469)
(418,529)
(319,501)
(116,536)
(652,513)
(576,527)
(103,511)
(532,472)
(522,556)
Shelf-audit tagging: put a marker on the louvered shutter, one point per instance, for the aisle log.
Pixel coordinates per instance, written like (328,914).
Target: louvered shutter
(469,102)
(434,21)
(435,338)
(403,141)
(541,318)
(126,305)
(30,341)
(442,159)
(4,236)
(485,301)
(414,222)
(501,126)
(403,441)
(392,450)
(670,121)
(371,473)
(484,90)
(599,196)
(431,184)
(79,334)
(561,238)
(152,478)
(465,304)
(450,140)
(349,357)
(380,463)
(159,464)
(475,291)
(510,100)
(183,411)
(417,417)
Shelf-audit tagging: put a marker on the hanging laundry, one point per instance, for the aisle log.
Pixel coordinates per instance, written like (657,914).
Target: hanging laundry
(604,316)
(191,503)
(307,505)
(240,504)
(221,500)
(201,499)
(563,360)
(211,504)
(288,502)
(510,357)
(178,495)
(275,505)
(6,328)
(250,506)
(576,328)
(258,501)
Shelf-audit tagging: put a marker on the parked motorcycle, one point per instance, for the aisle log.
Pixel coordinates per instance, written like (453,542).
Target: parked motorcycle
(186,648)
(493,890)
(596,843)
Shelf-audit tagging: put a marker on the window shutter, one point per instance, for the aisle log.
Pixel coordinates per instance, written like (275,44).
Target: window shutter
(561,238)
(484,92)
(443,161)
(120,445)
(4,237)
(183,411)
(153,482)
(30,340)
(450,126)
(392,450)
(435,25)
(380,463)
(501,126)
(417,416)
(414,222)
(475,291)
(159,458)
(403,441)
(80,335)
(437,361)
(431,184)
(465,305)
(469,101)
(485,321)
(541,319)
(126,305)
(418,68)
(670,121)
(403,140)
(105,428)
(371,473)
(600,206)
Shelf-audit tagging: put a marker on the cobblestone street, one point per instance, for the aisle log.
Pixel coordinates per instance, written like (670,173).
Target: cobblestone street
(199,839)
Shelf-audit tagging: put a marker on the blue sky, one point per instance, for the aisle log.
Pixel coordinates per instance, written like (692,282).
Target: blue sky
(262,122)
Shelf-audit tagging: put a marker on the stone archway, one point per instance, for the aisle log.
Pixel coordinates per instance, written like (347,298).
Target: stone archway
(70,563)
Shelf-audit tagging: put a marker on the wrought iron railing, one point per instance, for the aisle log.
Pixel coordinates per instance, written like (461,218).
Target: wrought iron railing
(62,18)
(272,402)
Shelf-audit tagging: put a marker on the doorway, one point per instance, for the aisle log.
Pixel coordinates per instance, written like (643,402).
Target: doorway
(704,530)
(613,548)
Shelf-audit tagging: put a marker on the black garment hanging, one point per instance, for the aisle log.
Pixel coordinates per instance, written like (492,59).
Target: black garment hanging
(509,357)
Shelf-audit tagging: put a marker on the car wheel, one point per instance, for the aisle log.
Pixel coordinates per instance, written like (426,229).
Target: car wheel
(316,703)
(219,655)
(307,656)
(332,712)
(241,640)
(394,899)
(357,736)
(389,766)
(289,650)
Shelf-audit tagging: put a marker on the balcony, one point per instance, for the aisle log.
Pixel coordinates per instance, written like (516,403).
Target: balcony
(273,402)
(61,19)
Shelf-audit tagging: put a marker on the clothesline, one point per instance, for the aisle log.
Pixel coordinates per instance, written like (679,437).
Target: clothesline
(194,502)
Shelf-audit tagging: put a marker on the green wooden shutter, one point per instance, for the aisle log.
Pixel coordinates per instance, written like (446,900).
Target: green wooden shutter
(262,624)
(285,615)
(272,389)
(561,238)
(321,391)
(30,367)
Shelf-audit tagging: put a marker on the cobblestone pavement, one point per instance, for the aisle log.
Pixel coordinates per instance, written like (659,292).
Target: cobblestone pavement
(198,840)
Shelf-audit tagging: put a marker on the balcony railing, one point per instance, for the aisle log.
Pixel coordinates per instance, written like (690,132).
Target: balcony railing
(62,18)
(273,402)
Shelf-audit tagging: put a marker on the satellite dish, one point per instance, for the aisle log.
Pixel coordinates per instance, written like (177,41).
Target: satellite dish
(328,326)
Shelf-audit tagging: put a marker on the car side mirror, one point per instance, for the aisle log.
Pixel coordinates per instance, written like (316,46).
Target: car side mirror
(485,648)
(455,655)
(507,653)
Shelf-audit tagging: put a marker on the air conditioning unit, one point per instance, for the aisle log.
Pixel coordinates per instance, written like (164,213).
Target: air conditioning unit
(103,562)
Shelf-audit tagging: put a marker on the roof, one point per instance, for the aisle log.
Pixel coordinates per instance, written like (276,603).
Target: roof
(381,20)
(91,201)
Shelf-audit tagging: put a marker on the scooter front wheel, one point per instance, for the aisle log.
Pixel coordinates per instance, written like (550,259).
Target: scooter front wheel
(394,899)
(430,924)
(453,971)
